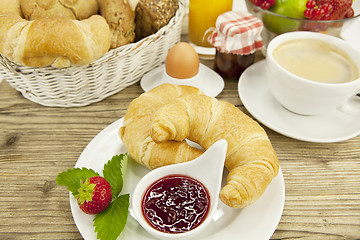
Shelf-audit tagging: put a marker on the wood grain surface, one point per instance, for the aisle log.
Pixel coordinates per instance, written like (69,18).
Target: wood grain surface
(36,143)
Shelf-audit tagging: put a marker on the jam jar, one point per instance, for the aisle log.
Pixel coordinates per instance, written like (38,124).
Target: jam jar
(237,37)
(230,65)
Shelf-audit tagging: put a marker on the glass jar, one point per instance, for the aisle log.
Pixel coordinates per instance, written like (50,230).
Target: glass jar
(236,38)
(230,65)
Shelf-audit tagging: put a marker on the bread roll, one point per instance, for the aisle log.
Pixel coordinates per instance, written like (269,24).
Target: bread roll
(53,41)
(135,132)
(250,159)
(151,15)
(121,20)
(10,6)
(72,9)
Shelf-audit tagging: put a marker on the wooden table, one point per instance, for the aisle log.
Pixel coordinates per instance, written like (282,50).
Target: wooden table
(36,143)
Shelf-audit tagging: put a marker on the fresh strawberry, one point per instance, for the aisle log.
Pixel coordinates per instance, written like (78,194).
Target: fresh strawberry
(94,195)
(328,9)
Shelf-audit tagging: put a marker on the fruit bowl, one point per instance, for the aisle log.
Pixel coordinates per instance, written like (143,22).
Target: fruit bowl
(275,24)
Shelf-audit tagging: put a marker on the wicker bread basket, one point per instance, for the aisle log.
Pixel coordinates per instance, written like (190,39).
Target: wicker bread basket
(83,85)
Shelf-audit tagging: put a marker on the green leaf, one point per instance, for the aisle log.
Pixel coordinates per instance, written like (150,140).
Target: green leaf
(114,172)
(72,178)
(111,222)
(124,164)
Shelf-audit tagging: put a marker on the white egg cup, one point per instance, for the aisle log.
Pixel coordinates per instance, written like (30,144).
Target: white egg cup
(207,80)
(207,169)
(181,81)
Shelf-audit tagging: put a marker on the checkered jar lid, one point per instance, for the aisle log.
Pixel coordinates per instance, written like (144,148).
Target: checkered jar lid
(237,33)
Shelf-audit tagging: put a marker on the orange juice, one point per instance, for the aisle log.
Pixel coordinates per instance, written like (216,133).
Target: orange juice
(202,16)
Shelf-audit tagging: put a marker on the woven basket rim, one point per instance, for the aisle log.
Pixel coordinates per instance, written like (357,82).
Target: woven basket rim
(116,52)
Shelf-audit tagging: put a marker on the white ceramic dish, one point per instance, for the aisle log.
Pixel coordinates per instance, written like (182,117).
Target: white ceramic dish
(210,177)
(256,222)
(207,80)
(333,126)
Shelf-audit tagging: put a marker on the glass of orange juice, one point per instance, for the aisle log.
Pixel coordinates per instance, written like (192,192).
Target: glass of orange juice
(202,16)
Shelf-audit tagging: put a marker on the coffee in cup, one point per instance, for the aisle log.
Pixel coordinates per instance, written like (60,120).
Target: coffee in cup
(316,60)
(311,73)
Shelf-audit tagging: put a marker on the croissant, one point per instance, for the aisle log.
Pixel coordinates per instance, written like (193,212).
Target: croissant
(250,158)
(53,41)
(135,132)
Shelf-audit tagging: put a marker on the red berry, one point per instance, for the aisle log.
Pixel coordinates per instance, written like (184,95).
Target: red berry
(327,8)
(310,4)
(94,195)
(308,13)
(350,13)
(265,5)
(333,9)
(318,13)
(256,2)
(339,8)
(272,2)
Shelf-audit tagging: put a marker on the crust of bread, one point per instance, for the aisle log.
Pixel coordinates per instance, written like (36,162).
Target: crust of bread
(121,20)
(71,9)
(53,41)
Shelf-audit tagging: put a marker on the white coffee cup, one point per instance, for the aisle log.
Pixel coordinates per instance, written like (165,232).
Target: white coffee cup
(304,96)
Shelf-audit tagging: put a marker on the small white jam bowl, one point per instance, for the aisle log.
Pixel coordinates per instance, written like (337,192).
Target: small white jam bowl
(207,169)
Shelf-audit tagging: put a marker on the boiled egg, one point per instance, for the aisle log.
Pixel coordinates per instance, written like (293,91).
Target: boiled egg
(182,61)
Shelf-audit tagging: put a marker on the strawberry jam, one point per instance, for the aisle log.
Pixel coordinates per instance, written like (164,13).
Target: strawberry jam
(176,204)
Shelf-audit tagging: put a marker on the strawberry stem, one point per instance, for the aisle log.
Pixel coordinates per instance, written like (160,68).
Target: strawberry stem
(85,190)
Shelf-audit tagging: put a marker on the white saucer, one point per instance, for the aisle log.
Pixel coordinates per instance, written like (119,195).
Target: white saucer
(333,126)
(205,51)
(207,80)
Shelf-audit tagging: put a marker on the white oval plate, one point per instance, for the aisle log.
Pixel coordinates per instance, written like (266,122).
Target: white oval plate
(333,126)
(257,221)
(207,80)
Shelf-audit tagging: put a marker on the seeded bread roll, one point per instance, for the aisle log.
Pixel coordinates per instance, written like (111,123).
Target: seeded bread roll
(151,15)
(71,9)
(121,20)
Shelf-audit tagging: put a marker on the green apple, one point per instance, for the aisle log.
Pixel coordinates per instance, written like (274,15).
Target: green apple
(289,8)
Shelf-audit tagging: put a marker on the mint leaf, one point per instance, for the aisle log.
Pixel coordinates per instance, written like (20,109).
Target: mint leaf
(113,173)
(111,222)
(72,177)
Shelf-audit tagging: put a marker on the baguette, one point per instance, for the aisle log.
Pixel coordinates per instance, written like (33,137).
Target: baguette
(53,41)
(250,159)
